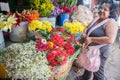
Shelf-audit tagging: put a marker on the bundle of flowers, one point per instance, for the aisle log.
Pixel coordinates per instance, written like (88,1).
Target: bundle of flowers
(66,6)
(41,28)
(24,61)
(45,7)
(59,46)
(26,15)
(55,12)
(29,15)
(75,27)
(83,14)
(6,21)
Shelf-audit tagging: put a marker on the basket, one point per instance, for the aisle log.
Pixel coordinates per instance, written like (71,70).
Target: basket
(3,72)
(62,71)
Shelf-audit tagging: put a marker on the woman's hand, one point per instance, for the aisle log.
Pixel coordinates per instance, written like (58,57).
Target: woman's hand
(88,40)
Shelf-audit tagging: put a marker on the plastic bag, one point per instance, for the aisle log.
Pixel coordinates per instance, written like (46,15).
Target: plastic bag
(89,58)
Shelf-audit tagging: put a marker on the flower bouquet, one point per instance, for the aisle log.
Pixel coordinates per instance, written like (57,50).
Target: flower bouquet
(39,28)
(6,22)
(47,10)
(44,7)
(19,30)
(26,15)
(66,6)
(83,14)
(76,28)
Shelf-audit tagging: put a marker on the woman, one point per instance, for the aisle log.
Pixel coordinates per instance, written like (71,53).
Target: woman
(105,34)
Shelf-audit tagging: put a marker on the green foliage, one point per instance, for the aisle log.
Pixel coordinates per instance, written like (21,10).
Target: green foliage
(68,3)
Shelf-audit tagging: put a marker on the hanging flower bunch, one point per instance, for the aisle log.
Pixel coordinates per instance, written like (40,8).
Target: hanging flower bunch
(6,21)
(75,27)
(59,46)
(45,7)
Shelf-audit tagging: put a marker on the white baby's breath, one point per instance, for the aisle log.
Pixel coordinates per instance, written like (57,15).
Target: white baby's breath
(83,14)
(22,60)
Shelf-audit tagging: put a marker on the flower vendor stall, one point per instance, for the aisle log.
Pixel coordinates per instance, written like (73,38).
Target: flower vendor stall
(48,57)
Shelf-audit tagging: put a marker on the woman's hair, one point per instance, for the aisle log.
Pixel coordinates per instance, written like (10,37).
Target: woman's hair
(113,8)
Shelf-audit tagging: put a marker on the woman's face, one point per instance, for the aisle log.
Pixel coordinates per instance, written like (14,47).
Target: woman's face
(104,11)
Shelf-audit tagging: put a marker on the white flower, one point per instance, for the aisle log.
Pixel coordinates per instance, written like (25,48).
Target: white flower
(24,61)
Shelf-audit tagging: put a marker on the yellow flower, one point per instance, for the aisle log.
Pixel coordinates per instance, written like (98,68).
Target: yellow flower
(50,45)
(74,27)
(45,7)
(6,21)
(2,24)
(8,25)
(34,24)
(12,19)
(46,26)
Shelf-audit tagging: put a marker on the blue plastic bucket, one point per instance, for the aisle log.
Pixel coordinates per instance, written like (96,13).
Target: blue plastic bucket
(63,18)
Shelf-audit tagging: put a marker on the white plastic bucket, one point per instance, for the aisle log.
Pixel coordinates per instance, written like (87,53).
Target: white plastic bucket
(19,33)
(2,42)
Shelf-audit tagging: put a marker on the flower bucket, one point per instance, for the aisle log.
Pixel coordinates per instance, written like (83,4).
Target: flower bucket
(3,72)
(2,43)
(43,18)
(63,18)
(18,33)
(52,20)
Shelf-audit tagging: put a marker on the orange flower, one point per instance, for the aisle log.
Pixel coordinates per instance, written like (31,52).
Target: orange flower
(34,14)
(50,45)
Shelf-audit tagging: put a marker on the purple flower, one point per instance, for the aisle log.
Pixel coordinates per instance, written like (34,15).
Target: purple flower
(55,12)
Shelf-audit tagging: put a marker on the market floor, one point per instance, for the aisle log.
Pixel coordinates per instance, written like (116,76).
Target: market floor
(112,67)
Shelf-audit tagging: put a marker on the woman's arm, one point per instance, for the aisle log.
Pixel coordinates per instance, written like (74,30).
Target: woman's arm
(111,32)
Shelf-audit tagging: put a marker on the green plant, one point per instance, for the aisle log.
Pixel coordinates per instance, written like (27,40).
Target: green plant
(45,7)
(68,3)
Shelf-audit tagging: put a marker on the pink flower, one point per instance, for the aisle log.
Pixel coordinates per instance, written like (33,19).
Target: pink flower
(41,44)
